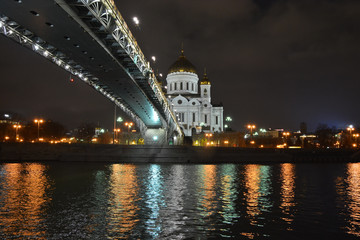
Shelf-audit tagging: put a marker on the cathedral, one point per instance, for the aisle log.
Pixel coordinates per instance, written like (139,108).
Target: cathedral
(191,99)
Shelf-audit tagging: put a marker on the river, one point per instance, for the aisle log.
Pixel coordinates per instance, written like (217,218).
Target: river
(59,200)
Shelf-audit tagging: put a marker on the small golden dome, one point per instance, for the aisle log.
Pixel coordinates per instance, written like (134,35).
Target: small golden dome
(205,80)
(182,65)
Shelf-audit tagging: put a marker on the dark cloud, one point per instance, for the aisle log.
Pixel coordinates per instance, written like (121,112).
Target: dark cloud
(275,63)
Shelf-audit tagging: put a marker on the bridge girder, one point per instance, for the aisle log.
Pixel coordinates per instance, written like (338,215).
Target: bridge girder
(105,22)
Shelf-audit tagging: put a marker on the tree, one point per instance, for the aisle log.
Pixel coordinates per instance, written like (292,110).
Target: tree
(85,132)
(325,135)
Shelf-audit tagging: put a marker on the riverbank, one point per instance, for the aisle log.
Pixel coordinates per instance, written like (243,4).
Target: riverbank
(23,152)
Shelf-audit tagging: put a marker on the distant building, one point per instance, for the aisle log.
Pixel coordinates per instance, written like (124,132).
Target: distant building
(191,100)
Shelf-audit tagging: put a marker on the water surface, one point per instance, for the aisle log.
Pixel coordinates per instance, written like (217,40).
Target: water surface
(152,201)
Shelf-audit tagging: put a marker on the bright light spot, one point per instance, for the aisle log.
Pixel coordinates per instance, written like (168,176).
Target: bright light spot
(136,21)
(58,62)
(160,75)
(10,32)
(226,126)
(80,75)
(155,138)
(67,67)
(153,58)
(119,119)
(46,53)
(36,47)
(6,115)
(155,116)
(1,24)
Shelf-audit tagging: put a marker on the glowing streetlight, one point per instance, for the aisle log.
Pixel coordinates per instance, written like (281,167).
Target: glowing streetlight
(117,131)
(129,125)
(153,58)
(136,21)
(251,127)
(38,121)
(350,128)
(16,126)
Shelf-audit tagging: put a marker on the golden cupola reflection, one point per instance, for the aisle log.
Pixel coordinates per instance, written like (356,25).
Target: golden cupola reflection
(182,65)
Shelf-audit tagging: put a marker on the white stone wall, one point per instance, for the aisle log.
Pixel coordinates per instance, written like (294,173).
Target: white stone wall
(182,83)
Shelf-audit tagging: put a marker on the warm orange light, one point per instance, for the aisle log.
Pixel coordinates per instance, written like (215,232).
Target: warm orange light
(17,126)
(354,145)
(251,126)
(7,138)
(117,130)
(261,146)
(226,142)
(286,134)
(41,139)
(38,120)
(252,142)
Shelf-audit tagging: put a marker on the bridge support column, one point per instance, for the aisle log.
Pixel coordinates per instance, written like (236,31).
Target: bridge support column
(155,137)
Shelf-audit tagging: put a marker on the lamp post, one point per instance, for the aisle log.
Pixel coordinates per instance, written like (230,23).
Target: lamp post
(129,125)
(38,121)
(16,126)
(251,127)
(286,135)
(208,136)
(117,131)
(350,128)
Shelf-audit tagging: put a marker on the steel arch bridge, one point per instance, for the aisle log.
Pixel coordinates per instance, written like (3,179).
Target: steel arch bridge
(90,39)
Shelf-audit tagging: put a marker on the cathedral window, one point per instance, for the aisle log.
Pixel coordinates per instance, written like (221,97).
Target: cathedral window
(179,102)
(192,87)
(217,120)
(187,85)
(175,86)
(181,86)
(181,117)
(194,117)
(205,116)
(170,86)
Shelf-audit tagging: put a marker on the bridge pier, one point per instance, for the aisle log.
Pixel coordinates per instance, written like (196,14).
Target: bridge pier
(155,136)
(160,136)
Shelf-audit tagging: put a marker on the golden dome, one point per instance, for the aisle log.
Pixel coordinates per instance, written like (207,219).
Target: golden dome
(205,80)
(182,65)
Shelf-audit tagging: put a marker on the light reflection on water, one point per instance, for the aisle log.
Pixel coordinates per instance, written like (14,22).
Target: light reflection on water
(152,201)
(353,191)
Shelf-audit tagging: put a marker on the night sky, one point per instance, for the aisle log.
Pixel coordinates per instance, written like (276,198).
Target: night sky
(272,63)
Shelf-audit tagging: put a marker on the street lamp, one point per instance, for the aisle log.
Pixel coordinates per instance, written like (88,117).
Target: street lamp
(117,131)
(129,125)
(251,127)
(16,126)
(38,121)
(286,135)
(350,128)
(208,136)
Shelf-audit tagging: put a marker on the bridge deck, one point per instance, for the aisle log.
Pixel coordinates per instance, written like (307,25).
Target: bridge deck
(60,30)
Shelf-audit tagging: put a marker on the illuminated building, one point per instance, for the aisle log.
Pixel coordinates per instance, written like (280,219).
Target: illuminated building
(191,100)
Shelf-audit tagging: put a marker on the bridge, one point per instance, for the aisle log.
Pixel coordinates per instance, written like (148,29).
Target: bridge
(91,40)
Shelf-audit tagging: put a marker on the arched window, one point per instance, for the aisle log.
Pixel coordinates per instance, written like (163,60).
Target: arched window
(181,86)
(187,86)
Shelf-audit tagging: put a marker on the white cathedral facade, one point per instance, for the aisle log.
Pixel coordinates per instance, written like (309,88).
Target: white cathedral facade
(191,99)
